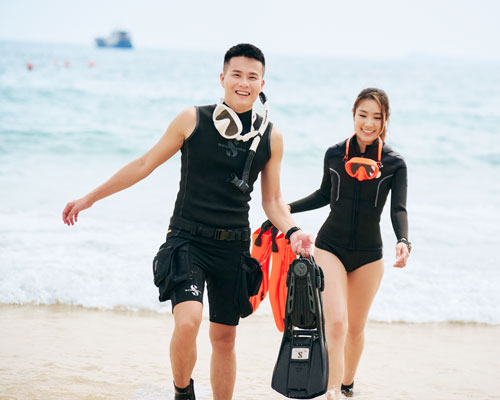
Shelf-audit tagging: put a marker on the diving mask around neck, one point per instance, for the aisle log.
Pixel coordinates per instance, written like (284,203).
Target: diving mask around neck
(363,168)
(229,125)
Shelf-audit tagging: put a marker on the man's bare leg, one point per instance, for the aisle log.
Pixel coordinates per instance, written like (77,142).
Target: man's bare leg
(223,363)
(187,316)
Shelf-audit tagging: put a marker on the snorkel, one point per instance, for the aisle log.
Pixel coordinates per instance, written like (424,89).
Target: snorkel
(229,126)
(242,184)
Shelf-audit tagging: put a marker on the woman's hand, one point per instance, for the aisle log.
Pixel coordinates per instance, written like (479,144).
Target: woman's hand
(402,254)
(70,212)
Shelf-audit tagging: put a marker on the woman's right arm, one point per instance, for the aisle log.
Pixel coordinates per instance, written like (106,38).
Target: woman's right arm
(317,199)
(178,131)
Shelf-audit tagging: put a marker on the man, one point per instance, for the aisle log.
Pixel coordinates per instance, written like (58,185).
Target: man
(209,234)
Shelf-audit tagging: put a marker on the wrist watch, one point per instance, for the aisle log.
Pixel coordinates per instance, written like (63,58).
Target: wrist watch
(405,241)
(290,232)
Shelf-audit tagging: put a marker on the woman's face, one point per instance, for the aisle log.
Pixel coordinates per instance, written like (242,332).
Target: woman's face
(368,122)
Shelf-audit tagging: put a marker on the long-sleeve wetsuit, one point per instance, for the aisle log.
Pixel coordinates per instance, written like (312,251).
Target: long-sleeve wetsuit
(356,206)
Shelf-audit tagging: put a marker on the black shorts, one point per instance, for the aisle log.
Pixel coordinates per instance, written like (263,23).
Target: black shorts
(351,259)
(215,262)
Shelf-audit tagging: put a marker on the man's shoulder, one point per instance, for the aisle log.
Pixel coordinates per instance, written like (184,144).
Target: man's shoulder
(274,130)
(206,109)
(187,116)
(186,121)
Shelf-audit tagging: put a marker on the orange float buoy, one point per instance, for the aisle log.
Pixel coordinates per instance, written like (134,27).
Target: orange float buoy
(29,66)
(91,64)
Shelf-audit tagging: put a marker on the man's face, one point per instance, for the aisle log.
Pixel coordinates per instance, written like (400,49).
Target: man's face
(242,81)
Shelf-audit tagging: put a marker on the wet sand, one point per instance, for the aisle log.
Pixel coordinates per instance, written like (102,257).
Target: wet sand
(63,352)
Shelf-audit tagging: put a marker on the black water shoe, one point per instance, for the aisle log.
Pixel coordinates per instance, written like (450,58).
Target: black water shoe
(186,393)
(347,390)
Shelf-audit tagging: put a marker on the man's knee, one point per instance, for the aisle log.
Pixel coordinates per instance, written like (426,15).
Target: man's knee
(223,337)
(187,317)
(188,326)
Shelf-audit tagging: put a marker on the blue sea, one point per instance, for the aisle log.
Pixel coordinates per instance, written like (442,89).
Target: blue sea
(81,113)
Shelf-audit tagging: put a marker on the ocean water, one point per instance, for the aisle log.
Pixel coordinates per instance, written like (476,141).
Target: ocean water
(66,129)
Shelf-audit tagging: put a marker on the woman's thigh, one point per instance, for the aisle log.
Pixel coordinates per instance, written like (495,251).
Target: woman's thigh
(335,293)
(362,286)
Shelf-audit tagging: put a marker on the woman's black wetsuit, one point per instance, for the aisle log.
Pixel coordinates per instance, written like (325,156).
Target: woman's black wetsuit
(352,229)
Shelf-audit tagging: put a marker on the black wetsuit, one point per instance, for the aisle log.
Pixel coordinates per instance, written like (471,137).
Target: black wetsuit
(209,231)
(352,229)
(208,161)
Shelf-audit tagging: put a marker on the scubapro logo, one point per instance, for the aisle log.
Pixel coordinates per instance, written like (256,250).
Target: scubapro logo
(231,152)
(231,149)
(194,290)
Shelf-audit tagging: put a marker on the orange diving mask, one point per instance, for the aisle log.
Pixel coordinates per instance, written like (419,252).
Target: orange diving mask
(363,168)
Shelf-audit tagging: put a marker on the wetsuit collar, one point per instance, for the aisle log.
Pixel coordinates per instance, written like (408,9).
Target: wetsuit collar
(228,123)
(370,150)
(245,118)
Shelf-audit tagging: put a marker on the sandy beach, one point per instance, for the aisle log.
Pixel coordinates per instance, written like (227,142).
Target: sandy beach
(64,352)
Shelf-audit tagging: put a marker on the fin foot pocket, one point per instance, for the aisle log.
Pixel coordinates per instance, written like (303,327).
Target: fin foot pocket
(301,371)
(301,302)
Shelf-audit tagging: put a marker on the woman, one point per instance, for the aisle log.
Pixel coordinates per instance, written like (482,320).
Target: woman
(358,175)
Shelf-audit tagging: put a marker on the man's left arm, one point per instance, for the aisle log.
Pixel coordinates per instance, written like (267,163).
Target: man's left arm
(272,203)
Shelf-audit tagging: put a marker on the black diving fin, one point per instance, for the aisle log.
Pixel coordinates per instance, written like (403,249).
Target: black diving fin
(301,371)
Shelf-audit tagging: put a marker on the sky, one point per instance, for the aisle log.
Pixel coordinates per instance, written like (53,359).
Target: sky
(348,28)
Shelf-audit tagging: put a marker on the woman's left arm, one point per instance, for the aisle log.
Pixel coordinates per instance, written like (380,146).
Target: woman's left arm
(399,215)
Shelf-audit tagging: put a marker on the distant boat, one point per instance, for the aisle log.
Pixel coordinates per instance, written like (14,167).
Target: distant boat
(120,39)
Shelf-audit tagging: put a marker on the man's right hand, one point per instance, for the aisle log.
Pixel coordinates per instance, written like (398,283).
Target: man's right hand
(302,243)
(70,212)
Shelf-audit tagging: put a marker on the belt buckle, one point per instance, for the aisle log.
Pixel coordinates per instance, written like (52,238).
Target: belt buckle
(222,234)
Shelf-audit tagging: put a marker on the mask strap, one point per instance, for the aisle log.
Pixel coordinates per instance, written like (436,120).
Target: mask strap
(380,145)
(263,126)
(346,157)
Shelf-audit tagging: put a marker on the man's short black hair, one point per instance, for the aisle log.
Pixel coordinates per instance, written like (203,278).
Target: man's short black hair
(245,50)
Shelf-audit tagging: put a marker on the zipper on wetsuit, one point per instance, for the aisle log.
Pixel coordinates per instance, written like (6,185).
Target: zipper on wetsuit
(355,211)
(354,217)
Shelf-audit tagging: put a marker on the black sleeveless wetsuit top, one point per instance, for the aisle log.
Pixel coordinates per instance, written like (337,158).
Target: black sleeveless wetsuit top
(355,207)
(208,162)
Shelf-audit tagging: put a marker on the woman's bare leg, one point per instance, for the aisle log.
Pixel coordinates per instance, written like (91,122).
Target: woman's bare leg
(335,309)
(362,286)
